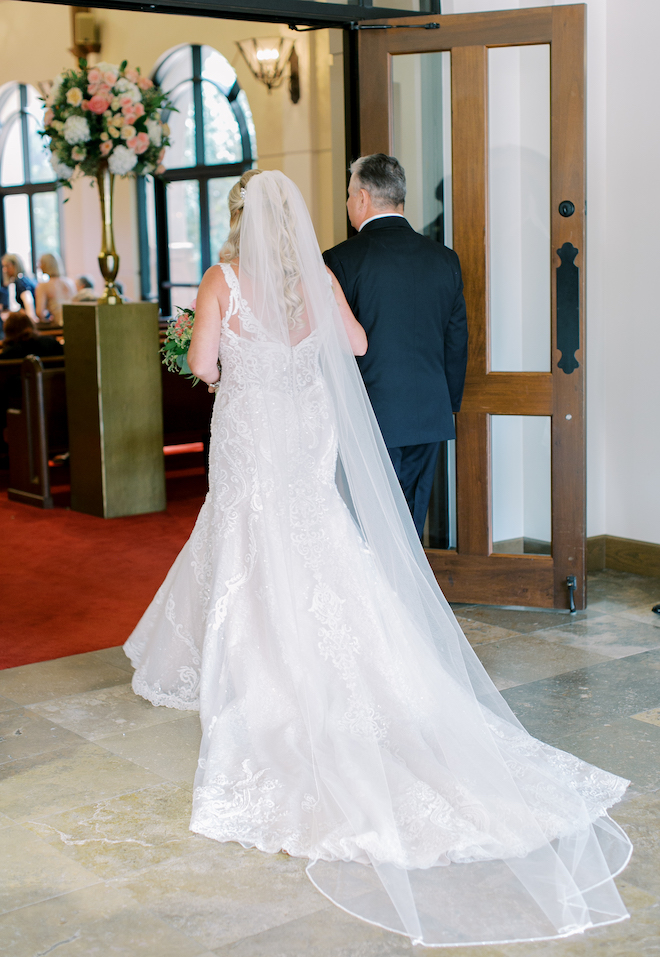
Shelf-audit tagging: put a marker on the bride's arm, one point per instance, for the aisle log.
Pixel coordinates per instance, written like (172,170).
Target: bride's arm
(205,341)
(357,337)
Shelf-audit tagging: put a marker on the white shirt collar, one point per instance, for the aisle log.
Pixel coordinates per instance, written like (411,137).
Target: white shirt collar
(378,216)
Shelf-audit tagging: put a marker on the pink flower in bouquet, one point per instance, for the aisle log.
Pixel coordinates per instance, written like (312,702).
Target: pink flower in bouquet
(144,83)
(94,77)
(105,89)
(131,75)
(84,106)
(99,104)
(106,147)
(139,143)
(49,116)
(126,101)
(110,77)
(138,110)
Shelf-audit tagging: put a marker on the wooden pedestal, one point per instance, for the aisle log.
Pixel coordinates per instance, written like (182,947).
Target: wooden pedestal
(114,401)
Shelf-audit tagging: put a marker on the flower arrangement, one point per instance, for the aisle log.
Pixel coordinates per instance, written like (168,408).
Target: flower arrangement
(105,113)
(177,342)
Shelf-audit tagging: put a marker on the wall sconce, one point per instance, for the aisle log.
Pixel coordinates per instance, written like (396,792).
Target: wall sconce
(267,58)
(84,32)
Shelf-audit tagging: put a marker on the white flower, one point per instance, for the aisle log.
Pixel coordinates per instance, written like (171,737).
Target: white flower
(74,96)
(62,171)
(125,88)
(155,131)
(76,130)
(107,68)
(122,160)
(55,89)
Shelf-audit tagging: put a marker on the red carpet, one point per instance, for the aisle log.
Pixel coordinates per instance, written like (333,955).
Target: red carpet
(71,583)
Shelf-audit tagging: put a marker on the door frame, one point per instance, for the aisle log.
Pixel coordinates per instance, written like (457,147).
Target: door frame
(473,573)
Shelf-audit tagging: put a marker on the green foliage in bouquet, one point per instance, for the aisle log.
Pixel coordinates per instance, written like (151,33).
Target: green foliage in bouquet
(177,342)
(105,113)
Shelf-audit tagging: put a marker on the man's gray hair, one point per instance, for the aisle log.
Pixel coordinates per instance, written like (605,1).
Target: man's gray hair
(384,179)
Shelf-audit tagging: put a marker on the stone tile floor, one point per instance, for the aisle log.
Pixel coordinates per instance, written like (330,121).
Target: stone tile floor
(95,787)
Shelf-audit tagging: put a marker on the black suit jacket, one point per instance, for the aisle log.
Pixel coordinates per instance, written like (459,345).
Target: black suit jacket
(406,291)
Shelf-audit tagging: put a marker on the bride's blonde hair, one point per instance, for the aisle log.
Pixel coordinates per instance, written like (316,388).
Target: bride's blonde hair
(293,303)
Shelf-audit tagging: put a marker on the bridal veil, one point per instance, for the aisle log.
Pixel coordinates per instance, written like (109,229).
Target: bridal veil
(515,842)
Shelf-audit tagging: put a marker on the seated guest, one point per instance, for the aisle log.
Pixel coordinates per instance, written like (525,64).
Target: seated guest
(51,294)
(13,271)
(84,282)
(22,339)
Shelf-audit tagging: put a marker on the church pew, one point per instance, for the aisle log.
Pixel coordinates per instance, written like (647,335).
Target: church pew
(36,432)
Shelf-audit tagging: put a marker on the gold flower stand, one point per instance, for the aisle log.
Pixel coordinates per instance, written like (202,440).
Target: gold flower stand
(114,400)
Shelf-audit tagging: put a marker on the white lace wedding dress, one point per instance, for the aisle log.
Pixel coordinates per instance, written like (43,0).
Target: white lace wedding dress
(330,730)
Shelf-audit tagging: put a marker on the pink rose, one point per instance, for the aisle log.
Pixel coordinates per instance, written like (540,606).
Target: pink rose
(138,110)
(131,75)
(106,147)
(105,89)
(49,116)
(126,101)
(138,143)
(110,78)
(84,105)
(144,83)
(93,88)
(99,104)
(128,114)
(94,76)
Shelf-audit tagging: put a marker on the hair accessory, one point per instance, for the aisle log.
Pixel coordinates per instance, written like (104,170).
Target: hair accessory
(243,191)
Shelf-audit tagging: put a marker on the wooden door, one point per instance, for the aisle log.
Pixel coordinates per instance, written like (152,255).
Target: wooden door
(475,571)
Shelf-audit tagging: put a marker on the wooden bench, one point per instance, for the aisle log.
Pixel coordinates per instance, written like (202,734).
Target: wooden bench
(37,431)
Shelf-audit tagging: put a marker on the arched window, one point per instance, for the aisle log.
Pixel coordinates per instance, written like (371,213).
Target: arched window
(184,219)
(29,201)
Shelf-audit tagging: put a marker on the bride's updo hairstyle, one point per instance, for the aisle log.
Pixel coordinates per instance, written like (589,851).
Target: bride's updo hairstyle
(235,201)
(293,303)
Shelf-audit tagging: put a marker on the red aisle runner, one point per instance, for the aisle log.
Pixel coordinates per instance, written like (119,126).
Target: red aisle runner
(71,583)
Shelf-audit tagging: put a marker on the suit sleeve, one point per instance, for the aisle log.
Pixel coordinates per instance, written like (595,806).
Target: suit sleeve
(456,345)
(333,262)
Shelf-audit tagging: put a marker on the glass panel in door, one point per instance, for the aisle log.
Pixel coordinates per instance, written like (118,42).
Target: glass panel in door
(519,207)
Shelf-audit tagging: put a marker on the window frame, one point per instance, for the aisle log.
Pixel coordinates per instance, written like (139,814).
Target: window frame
(200,173)
(27,187)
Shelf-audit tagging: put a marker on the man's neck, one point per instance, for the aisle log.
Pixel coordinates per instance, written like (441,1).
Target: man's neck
(380,214)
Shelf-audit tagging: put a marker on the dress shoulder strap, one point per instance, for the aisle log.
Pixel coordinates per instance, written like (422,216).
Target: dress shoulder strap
(234,293)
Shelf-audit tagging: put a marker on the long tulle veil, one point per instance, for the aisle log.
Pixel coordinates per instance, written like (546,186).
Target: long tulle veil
(536,867)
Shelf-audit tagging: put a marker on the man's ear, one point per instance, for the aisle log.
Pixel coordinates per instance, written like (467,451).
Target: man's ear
(364,198)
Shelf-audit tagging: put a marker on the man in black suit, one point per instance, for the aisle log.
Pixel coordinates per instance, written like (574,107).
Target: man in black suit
(406,291)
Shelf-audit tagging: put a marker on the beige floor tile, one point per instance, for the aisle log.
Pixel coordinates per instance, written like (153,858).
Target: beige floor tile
(66,778)
(479,632)
(651,717)
(96,714)
(23,734)
(169,749)
(115,657)
(219,893)
(95,921)
(6,704)
(117,837)
(516,661)
(32,870)
(53,679)
(610,635)
(333,933)
(639,816)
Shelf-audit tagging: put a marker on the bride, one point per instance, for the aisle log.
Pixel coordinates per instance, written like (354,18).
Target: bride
(345,718)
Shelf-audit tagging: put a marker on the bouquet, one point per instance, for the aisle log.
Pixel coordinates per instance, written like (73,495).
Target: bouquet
(105,113)
(177,342)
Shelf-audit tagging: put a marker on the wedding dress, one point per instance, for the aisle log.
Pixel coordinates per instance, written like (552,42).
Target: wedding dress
(345,718)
